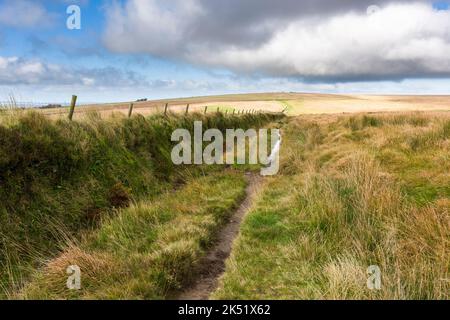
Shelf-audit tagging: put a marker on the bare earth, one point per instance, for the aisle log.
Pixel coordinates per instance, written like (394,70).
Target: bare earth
(296,104)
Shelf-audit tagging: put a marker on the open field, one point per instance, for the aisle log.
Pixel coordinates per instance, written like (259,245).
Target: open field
(297,104)
(354,190)
(351,104)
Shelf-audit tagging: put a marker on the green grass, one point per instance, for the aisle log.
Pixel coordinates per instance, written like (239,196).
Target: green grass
(342,204)
(60,179)
(289,108)
(149,250)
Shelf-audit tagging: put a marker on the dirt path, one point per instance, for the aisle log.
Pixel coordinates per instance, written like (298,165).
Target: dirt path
(212,265)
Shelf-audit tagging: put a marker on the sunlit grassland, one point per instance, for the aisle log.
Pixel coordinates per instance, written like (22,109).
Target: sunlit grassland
(354,191)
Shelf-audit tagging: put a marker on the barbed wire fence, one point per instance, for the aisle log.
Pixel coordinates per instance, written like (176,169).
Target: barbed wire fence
(14,104)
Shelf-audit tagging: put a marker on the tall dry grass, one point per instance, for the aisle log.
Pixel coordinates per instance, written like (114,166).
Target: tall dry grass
(354,191)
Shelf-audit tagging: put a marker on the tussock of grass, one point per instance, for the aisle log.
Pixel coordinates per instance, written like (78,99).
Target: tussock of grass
(336,209)
(60,178)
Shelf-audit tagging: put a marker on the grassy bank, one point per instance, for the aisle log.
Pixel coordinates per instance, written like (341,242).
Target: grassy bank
(150,249)
(60,179)
(354,191)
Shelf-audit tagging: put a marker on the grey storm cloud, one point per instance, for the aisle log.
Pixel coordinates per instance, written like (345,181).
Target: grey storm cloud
(246,23)
(252,22)
(315,40)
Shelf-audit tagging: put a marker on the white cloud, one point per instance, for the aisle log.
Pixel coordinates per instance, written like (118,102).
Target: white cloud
(405,40)
(24,14)
(29,68)
(4,62)
(88,81)
(148,26)
(21,71)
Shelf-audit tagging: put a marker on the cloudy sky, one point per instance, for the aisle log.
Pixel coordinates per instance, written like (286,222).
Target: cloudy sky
(131,49)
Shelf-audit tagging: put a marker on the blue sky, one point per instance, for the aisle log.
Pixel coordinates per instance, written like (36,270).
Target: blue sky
(156,49)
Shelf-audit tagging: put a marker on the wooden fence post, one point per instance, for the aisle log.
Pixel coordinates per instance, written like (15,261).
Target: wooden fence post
(72,107)
(130,110)
(187,109)
(165,109)
(206,109)
(218,108)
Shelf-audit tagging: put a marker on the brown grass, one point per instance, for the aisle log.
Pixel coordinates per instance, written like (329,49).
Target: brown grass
(354,191)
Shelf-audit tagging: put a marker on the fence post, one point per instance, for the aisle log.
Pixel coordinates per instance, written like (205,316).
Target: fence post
(130,110)
(218,108)
(72,107)
(187,109)
(234,110)
(165,109)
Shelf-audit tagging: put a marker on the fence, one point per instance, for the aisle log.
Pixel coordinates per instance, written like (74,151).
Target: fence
(13,104)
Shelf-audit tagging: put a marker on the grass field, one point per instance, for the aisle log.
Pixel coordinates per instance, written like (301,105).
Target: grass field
(354,191)
(296,104)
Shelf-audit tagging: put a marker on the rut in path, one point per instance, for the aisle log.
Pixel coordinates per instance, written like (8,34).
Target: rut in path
(212,266)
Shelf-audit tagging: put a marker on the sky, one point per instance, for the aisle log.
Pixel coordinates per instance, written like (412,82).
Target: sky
(130,49)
